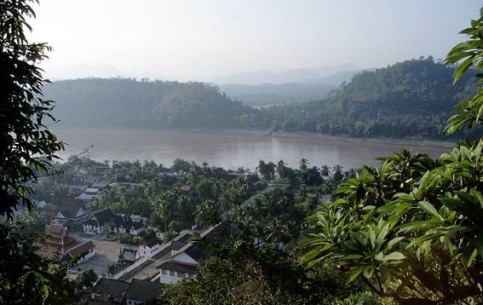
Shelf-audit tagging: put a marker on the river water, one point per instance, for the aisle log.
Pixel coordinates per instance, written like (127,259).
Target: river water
(231,150)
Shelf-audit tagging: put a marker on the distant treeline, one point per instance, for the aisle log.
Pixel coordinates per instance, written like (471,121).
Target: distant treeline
(409,99)
(412,99)
(128,102)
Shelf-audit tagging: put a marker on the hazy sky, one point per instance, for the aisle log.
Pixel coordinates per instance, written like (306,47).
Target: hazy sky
(199,39)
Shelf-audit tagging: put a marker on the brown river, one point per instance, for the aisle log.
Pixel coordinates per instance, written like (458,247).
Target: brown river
(233,149)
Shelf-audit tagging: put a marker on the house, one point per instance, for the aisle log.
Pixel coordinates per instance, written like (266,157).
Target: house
(75,190)
(88,195)
(106,221)
(149,245)
(135,228)
(99,221)
(70,212)
(137,292)
(128,256)
(109,291)
(100,185)
(142,291)
(183,263)
(84,251)
(59,245)
(172,271)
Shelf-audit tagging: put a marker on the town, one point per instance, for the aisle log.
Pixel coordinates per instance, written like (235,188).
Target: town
(137,226)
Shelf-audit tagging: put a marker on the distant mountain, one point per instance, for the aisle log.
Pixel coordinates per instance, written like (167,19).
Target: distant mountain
(280,94)
(338,78)
(305,76)
(413,98)
(127,102)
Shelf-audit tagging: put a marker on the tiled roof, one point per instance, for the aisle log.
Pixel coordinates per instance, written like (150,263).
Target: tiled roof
(142,290)
(186,237)
(111,287)
(177,245)
(56,230)
(178,267)
(194,251)
(80,249)
(71,212)
(149,240)
(103,215)
(90,222)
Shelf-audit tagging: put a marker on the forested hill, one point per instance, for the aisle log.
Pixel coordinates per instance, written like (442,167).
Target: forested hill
(128,102)
(409,99)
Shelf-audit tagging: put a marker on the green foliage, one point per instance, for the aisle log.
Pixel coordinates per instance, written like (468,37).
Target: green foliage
(129,239)
(413,98)
(26,144)
(25,278)
(86,278)
(127,102)
(411,229)
(267,170)
(468,54)
(26,149)
(239,273)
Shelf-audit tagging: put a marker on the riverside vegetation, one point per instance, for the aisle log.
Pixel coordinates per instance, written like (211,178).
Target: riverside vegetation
(411,99)
(407,232)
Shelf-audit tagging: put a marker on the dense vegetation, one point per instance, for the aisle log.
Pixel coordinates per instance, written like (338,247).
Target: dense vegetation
(411,229)
(127,102)
(408,99)
(25,278)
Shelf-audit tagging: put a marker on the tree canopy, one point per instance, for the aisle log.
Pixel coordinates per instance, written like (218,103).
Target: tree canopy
(411,229)
(26,144)
(26,147)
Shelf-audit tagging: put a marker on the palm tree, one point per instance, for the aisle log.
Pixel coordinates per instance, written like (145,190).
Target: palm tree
(303,163)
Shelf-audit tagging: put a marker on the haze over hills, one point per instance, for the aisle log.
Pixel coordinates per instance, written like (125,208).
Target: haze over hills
(276,94)
(303,75)
(285,87)
(409,99)
(131,103)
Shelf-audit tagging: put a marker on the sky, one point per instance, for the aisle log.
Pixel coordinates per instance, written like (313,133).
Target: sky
(202,39)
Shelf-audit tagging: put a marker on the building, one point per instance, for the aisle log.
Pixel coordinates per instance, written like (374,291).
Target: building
(183,263)
(59,245)
(105,221)
(149,245)
(88,195)
(140,292)
(108,291)
(173,271)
